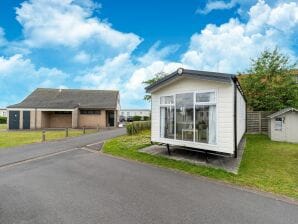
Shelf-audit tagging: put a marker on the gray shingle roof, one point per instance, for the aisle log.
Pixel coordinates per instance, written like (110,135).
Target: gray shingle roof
(69,99)
(216,76)
(283,111)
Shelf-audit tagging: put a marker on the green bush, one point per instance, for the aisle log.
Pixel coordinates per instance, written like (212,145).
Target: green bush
(137,126)
(136,118)
(3,120)
(146,118)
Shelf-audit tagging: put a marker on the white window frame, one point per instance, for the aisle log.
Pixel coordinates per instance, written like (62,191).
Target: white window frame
(281,124)
(215,103)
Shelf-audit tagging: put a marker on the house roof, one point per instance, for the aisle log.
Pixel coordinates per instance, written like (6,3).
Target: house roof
(69,99)
(215,76)
(283,111)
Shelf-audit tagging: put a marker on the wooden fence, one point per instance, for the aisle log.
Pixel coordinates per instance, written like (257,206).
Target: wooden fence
(257,121)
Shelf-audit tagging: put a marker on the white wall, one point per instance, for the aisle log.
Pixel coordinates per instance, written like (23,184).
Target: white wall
(225,110)
(141,113)
(241,116)
(3,113)
(289,128)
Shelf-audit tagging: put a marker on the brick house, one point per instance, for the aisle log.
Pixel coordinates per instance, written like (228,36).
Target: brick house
(65,108)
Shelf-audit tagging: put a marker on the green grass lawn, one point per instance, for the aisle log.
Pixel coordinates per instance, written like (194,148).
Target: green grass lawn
(16,138)
(3,126)
(266,165)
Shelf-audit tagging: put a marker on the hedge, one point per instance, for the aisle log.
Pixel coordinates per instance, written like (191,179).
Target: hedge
(137,126)
(3,120)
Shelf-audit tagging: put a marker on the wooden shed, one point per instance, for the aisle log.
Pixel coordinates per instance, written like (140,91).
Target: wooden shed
(283,125)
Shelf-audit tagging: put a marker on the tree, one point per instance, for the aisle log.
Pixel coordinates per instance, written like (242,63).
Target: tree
(149,82)
(270,84)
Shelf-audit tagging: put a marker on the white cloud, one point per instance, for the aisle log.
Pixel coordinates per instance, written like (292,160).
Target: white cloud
(217,5)
(19,76)
(69,23)
(109,75)
(155,53)
(228,47)
(82,57)
(2,37)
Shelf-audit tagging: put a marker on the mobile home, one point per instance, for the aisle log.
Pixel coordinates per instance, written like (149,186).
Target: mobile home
(198,110)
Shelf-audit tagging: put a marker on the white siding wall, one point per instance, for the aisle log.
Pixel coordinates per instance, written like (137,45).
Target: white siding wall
(224,107)
(241,116)
(289,128)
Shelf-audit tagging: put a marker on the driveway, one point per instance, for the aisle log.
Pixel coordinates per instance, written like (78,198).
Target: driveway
(79,186)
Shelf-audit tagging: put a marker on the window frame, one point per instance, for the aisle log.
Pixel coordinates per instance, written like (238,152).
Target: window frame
(281,122)
(194,92)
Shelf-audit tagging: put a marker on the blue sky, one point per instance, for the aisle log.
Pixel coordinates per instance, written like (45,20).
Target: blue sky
(117,44)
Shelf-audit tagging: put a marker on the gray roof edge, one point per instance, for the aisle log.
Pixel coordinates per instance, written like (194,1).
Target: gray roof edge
(283,111)
(216,76)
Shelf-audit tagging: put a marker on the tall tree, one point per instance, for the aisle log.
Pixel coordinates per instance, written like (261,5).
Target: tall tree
(149,82)
(269,83)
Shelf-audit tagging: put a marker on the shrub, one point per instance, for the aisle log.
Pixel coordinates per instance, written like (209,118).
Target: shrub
(146,118)
(3,120)
(136,118)
(137,126)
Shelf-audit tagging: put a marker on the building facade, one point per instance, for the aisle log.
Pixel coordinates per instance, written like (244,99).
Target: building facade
(65,108)
(129,113)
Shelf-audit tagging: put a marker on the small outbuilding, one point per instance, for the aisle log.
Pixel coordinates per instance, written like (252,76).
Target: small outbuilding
(198,110)
(283,125)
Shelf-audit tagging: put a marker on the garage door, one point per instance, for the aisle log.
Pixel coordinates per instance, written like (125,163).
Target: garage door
(14,119)
(26,119)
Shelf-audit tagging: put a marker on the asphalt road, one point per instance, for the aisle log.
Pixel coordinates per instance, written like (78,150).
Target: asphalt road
(84,187)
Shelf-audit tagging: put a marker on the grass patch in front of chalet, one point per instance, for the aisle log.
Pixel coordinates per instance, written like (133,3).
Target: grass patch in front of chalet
(266,165)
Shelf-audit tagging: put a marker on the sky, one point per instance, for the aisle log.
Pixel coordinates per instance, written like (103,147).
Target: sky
(109,44)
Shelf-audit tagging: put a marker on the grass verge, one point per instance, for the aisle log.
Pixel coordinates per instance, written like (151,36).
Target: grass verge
(17,138)
(3,126)
(266,165)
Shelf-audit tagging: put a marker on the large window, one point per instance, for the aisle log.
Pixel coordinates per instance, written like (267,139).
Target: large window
(184,116)
(205,118)
(189,117)
(167,117)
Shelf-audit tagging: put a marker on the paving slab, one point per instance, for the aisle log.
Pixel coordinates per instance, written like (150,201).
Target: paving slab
(229,164)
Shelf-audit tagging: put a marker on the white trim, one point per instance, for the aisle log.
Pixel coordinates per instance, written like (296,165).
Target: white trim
(195,144)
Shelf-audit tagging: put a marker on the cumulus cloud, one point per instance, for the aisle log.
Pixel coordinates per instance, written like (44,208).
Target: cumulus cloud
(228,47)
(19,76)
(69,23)
(87,42)
(217,5)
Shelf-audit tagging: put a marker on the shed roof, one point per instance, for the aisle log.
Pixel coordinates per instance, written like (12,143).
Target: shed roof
(283,111)
(69,99)
(215,76)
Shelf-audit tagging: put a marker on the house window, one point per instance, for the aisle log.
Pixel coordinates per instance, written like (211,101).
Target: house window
(278,124)
(189,117)
(184,116)
(62,112)
(89,112)
(167,117)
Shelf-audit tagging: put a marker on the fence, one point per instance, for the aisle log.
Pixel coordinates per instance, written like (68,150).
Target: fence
(257,121)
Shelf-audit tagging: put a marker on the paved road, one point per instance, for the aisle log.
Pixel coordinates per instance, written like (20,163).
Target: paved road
(25,152)
(80,186)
